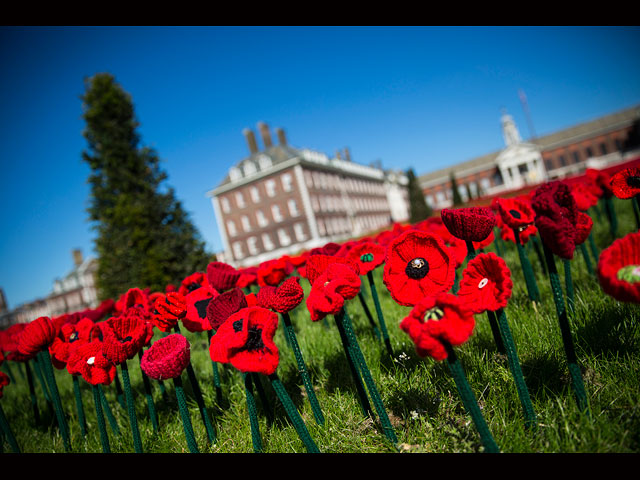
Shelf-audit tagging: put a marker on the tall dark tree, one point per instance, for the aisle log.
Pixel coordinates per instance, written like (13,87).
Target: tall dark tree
(144,236)
(455,192)
(418,207)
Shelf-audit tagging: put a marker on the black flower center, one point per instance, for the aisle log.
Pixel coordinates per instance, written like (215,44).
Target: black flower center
(193,286)
(367,257)
(515,213)
(126,339)
(633,181)
(201,307)
(417,268)
(237,326)
(254,339)
(73,337)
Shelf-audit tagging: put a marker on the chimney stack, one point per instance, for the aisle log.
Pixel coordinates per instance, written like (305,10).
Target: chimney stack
(282,139)
(347,155)
(264,132)
(338,156)
(77,256)
(251,140)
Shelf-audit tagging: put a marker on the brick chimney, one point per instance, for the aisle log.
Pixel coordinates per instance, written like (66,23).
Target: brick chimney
(77,256)
(347,154)
(264,132)
(282,139)
(251,140)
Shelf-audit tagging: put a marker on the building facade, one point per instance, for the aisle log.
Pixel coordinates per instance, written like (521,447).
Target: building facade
(596,144)
(283,200)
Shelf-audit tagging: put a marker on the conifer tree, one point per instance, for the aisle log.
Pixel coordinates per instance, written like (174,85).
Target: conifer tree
(456,197)
(144,236)
(418,207)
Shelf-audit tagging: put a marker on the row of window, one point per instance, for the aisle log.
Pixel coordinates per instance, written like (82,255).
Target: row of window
(440,197)
(575,156)
(335,203)
(332,181)
(249,167)
(261,219)
(266,242)
(270,189)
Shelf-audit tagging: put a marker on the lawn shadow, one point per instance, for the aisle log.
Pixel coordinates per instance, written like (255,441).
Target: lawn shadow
(609,333)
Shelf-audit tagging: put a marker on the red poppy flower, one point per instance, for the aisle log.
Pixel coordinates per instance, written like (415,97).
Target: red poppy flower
(36,336)
(417,264)
(584,224)
(11,341)
(330,248)
(252,299)
(507,235)
(4,381)
(87,360)
(619,268)
(601,180)
(367,255)
(484,243)
(167,357)
(273,272)
(469,224)
(70,336)
(336,284)
(346,247)
(246,341)
(283,298)
(556,213)
(124,335)
(317,264)
(298,261)
(197,302)
(224,305)
(486,283)
(435,319)
(222,276)
(170,309)
(192,282)
(248,276)
(516,212)
(625,184)
(134,297)
(584,196)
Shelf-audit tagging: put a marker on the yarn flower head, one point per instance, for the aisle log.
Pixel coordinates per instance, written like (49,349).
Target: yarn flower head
(473,224)
(584,196)
(88,361)
(245,341)
(71,336)
(584,224)
(318,263)
(197,302)
(169,309)
(192,282)
(224,305)
(367,255)
(167,357)
(124,336)
(625,184)
(222,276)
(486,283)
(516,212)
(248,276)
(337,283)
(4,381)
(619,269)
(273,272)
(283,298)
(417,264)
(37,336)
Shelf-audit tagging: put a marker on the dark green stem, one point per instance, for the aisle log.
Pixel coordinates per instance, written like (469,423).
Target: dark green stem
(79,405)
(611,215)
(568,283)
(587,260)
(216,374)
(538,249)
(594,249)
(151,406)
(530,280)
(4,427)
(376,301)
(133,418)
(367,312)
(253,413)
(107,410)
(471,251)
(635,205)
(55,394)
(186,418)
(97,400)
(32,393)
(498,242)
(266,406)
(496,332)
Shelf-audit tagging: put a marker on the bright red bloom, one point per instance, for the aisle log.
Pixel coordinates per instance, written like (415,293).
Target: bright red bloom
(625,184)
(222,276)
(484,243)
(36,336)
(367,255)
(87,360)
(601,180)
(438,319)
(469,224)
(619,269)
(70,336)
(170,309)
(283,298)
(134,297)
(584,196)
(486,283)
(516,212)
(417,264)
(252,299)
(192,282)
(124,335)
(330,248)
(248,276)
(197,302)
(246,341)
(317,264)
(11,341)
(336,284)
(273,272)
(167,357)
(224,305)
(584,224)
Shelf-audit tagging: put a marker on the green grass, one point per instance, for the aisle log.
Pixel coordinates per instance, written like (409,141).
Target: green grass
(419,394)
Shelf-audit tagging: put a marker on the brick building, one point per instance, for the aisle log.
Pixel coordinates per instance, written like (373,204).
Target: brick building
(282,200)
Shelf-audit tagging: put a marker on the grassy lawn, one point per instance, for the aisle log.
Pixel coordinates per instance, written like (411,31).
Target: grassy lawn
(420,395)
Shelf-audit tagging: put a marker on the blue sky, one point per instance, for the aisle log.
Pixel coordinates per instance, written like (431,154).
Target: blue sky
(411,97)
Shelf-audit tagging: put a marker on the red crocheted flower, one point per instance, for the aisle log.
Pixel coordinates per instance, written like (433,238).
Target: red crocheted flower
(124,335)
(367,255)
(486,283)
(170,309)
(337,283)
(222,276)
(36,336)
(469,224)
(516,212)
(584,224)
(317,264)
(70,336)
(252,299)
(619,268)
(224,305)
(246,341)
(134,297)
(417,264)
(556,213)
(438,319)
(167,357)
(601,180)
(192,282)
(197,302)
(87,360)
(273,272)
(330,248)
(11,341)
(584,196)
(248,276)
(625,184)
(283,298)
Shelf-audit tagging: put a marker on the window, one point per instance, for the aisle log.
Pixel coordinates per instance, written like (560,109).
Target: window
(237,250)
(440,197)
(266,242)
(589,152)
(321,229)
(548,163)
(231,228)
(307,178)
(576,157)
(287,182)
(293,207)
(240,199)
(314,204)
(226,207)
(270,186)
(603,148)
(283,237)
(562,160)
(246,225)
(523,169)
(251,245)
(277,214)
(262,220)
(255,194)
(298,229)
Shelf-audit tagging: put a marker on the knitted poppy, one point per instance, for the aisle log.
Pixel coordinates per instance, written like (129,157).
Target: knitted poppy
(458,247)
(224,305)
(36,336)
(317,264)
(70,336)
(4,381)
(197,301)
(556,213)
(222,276)
(516,212)
(417,264)
(283,298)
(170,309)
(507,235)
(246,341)
(134,297)
(619,268)
(167,357)
(336,284)
(252,299)
(584,224)
(469,224)
(273,272)
(367,255)
(435,319)
(192,282)
(124,335)
(486,283)
(248,276)
(87,360)
(584,196)
(601,180)
(346,247)
(484,243)
(330,248)
(625,184)
(11,341)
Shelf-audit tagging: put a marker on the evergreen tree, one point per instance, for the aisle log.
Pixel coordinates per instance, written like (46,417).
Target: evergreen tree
(469,193)
(144,236)
(418,207)
(457,198)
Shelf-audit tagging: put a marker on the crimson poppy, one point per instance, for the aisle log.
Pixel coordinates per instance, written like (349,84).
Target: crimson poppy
(167,357)
(484,243)
(197,301)
(584,196)
(221,276)
(283,298)
(125,335)
(273,272)
(134,297)
(516,212)
(619,269)
(36,336)
(472,224)
(246,341)
(329,291)
(625,184)
(486,283)
(170,308)
(367,255)
(224,305)
(584,224)
(330,248)
(601,180)
(317,264)
(70,336)
(88,361)
(417,264)
(192,282)
(248,276)
(437,319)
(11,341)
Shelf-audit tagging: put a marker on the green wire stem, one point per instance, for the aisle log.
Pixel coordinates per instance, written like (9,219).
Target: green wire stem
(498,242)
(186,418)
(376,301)
(216,374)
(121,399)
(293,414)
(79,406)
(97,400)
(587,260)
(495,329)
(471,251)
(594,249)
(302,369)
(527,270)
(151,406)
(367,312)
(53,387)
(635,205)
(568,283)
(611,215)
(107,410)
(538,249)
(4,427)
(469,400)
(131,410)
(32,393)
(252,408)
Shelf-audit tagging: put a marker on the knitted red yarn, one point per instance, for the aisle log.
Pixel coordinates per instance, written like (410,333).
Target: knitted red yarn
(601,180)
(516,212)
(273,272)
(222,276)
(471,223)
(584,224)
(170,308)
(70,336)
(317,264)
(134,297)
(619,269)
(437,318)
(486,283)
(283,298)
(367,255)
(36,336)
(248,276)
(224,305)
(167,357)
(337,283)
(197,303)
(330,248)
(246,341)
(124,336)
(87,360)
(10,343)
(625,184)
(192,282)
(584,196)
